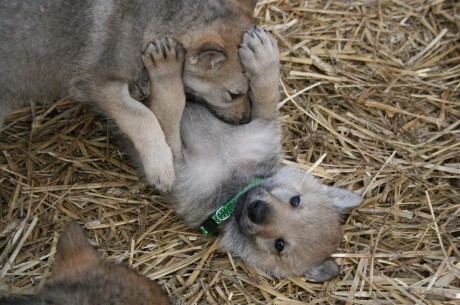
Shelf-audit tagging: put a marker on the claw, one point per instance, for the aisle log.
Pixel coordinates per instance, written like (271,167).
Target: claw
(164,48)
(260,38)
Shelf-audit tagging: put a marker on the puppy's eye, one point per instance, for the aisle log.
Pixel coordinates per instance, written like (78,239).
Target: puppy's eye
(235,95)
(279,245)
(294,201)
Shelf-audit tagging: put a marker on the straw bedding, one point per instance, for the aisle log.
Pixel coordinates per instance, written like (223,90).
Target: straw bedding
(370,102)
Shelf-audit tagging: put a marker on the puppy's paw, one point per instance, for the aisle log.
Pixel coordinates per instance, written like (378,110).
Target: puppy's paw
(159,168)
(259,53)
(163,58)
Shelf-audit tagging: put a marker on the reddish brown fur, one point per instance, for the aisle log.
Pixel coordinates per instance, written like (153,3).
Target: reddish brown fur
(81,277)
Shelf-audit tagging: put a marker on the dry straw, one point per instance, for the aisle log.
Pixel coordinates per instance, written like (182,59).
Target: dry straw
(370,103)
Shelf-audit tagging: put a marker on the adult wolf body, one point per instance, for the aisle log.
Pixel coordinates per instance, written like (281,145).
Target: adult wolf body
(288,224)
(90,50)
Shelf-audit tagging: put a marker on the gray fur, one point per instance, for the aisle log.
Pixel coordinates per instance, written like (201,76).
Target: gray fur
(217,160)
(90,50)
(49,48)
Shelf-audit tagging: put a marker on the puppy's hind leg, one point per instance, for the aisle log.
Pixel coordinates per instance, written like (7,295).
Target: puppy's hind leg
(163,59)
(260,58)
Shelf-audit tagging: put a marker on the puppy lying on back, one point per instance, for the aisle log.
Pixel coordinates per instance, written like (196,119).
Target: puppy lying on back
(81,277)
(230,179)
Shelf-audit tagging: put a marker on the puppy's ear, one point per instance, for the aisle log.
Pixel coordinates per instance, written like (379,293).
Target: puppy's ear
(209,57)
(343,200)
(74,253)
(246,6)
(323,272)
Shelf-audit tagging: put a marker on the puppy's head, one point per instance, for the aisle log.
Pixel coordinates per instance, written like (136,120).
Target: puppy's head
(290,225)
(79,274)
(212,70)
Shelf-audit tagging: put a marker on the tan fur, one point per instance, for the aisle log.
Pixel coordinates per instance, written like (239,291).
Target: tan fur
(164,72)
(311,230)
(140,125)
(218,160)
(81,277)
(224,73)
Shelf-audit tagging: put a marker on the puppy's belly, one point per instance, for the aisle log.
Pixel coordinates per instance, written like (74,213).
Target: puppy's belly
(222,151)
(254,144)
(200,176)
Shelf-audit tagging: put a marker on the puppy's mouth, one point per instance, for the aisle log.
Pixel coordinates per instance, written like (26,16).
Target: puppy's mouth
(191,97)
(232,120)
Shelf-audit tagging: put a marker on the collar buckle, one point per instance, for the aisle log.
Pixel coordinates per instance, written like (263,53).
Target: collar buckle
(224,217)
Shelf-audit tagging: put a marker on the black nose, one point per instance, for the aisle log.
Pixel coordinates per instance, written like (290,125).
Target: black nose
(257,211)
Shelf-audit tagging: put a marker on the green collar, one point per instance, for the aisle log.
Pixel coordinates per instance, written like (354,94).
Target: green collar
(210,225)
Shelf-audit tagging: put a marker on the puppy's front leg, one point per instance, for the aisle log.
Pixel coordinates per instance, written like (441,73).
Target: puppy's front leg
(163,59)
(260,58)
(142,127)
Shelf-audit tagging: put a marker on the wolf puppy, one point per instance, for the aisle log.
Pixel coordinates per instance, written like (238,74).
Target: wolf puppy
(90,50)
(81,277)
(287,223)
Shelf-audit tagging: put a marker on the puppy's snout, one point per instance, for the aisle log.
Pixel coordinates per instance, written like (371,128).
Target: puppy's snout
(244,109)
(257,211)
(245,119)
